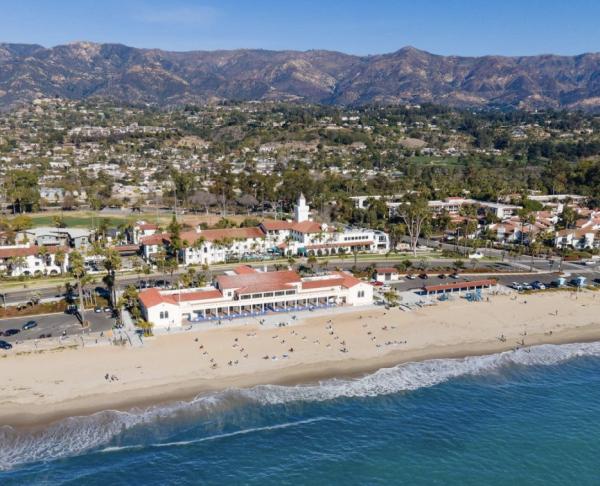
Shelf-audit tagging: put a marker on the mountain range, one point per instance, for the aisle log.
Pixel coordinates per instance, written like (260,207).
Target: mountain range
(82,70)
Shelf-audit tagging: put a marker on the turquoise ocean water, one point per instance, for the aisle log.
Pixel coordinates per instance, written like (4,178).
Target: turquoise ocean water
(525,417)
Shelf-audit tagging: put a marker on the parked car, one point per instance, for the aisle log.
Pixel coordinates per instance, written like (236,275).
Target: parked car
(517,286)
(527,286)
(455,276)
(29,325)
(5,345)
(97,309)
(424,276)
(11,332)
(410,276)
(538,285)
(107,309)
(442,276)
(377,283)
(476,256)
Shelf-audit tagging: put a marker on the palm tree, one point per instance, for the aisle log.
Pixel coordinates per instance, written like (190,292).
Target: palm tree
(112,263)
(145,326)
(77,269)
(60,258)
(17,263)
(43,254)
(391,297)
(535,248)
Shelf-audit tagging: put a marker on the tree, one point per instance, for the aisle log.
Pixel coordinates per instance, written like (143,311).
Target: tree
(43,254)
(203,199)
(129,300)
(414,213)
(248,201)
(21,188)
(170,266)
(58,221)
(21,222)
(145,326)
(103,226)
(77,270)
(112,263)
(391,297)
(68,202)
(17,263)
(568,217)
(175,243)
(60,258)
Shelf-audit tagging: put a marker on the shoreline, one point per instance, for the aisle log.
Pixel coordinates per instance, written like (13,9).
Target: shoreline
(135,393)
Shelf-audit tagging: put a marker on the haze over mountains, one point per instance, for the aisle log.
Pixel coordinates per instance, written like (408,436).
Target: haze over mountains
(81,70)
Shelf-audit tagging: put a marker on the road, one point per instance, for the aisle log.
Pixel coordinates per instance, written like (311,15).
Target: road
(55,324)
(521,264)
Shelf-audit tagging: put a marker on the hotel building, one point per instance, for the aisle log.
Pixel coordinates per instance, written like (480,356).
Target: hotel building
(301,236)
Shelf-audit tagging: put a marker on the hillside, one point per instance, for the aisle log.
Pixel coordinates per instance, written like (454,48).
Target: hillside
(82,70)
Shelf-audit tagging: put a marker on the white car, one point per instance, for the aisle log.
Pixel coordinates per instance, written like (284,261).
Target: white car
(517,286)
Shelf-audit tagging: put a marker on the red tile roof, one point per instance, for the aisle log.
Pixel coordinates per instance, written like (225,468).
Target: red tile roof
(126,247)
(153,297)
(326,282)
(263,287)
(28,251)
(281,278)
(220,234)
(276,225)
(308,227)
(387,270)
(150,298)
(155,239)
(244,270)
(197,295)
(349,280)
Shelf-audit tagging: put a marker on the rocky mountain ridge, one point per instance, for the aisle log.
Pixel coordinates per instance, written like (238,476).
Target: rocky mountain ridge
(81,70)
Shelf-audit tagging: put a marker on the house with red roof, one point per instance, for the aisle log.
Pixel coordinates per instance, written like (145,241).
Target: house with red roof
(33,260)
(248,292)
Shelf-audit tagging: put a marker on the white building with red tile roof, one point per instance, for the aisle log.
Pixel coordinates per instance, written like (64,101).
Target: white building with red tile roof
(300,237)
(247,292)
(32,260)
(142,229)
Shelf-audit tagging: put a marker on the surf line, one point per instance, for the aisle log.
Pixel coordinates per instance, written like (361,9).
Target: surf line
(219,436)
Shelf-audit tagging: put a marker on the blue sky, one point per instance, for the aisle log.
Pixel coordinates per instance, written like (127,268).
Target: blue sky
(463,27)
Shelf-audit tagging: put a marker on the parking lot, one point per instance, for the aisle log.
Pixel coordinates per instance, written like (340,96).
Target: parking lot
(54,325)
(546,278)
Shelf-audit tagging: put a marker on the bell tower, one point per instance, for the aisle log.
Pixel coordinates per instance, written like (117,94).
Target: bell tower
(301,210)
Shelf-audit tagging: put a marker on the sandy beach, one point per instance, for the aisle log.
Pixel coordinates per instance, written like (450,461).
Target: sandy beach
(36,388)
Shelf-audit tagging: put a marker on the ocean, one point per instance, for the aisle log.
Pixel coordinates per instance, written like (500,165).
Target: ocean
(524,417)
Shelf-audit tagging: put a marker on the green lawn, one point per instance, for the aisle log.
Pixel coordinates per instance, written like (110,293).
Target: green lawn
(81,220)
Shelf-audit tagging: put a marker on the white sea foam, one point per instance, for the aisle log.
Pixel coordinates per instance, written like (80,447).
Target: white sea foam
(76,435)
(250,430)
(411,376)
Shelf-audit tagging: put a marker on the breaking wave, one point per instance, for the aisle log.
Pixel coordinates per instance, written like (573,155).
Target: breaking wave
(76,435)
